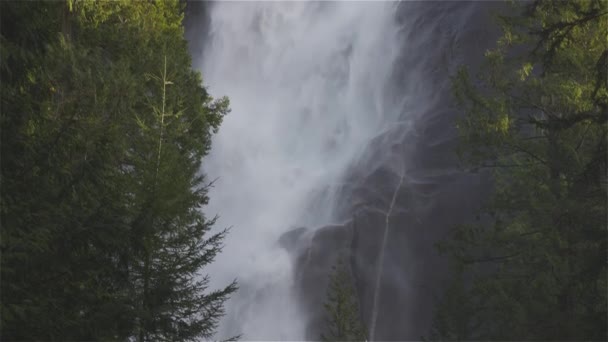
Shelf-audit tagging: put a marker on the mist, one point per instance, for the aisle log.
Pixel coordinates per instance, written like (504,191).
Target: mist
(304,101)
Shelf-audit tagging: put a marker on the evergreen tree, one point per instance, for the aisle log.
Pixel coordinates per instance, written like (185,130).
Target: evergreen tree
(534,266)
(170,291)
(342,308)
(104,125)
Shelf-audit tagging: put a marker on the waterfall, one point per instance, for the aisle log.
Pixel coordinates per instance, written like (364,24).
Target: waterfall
(379,268)
(307,83)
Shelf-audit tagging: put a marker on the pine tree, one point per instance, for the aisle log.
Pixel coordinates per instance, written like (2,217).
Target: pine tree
(342,308)
(102,233)
(172,303)
(534,265)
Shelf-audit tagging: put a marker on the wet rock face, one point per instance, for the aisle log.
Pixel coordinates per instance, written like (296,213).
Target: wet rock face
(407,185)
(313,265)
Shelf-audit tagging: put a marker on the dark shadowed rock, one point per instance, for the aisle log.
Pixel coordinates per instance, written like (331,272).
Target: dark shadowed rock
(314,266)
(291,240)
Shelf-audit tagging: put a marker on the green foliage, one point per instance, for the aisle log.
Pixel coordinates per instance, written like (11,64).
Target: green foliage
(342,308)
(102,236)
(534,266)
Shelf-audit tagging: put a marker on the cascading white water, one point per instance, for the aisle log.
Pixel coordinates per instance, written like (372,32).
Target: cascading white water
(306,81)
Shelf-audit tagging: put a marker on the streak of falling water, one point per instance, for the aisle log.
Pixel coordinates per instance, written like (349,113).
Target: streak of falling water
(307,85)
